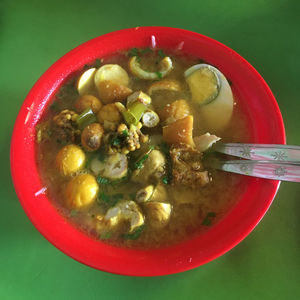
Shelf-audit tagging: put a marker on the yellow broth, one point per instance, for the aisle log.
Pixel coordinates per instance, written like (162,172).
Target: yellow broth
(193,210)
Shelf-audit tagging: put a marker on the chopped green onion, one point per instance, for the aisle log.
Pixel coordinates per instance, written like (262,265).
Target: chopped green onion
(105,235)
(140,163)
(97,63)
(115,141)
(102,180)
(110,200)
(86,118)
(159,75)
(73,213)
(161,53)
(165,179)
(208,219)
(134,235)
(125,133)
(133,52)
(134,113)
(146,50)
(165,148)
(106,181)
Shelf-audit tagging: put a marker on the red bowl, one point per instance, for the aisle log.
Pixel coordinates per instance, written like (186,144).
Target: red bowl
(257,102)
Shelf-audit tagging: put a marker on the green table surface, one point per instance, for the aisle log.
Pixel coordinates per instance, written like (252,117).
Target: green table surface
(34,34)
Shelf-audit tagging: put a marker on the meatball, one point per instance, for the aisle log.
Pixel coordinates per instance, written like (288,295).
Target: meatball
(81,191)
(91,137)
(88,101)
(70,159)
(110,113)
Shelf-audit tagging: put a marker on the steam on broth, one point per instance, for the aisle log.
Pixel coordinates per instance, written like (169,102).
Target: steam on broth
(120,149)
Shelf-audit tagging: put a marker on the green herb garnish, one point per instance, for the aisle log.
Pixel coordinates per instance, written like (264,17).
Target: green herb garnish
(106,181)
(159,75)
(146,50)
(125,133)
(105,235)
(115,141)
(134,235)
(165,179)
(73,213)
(110,200)
(165,148)
(97,63)
(161,53)
(140,163)
(133,52)
(102,180)
(208,219)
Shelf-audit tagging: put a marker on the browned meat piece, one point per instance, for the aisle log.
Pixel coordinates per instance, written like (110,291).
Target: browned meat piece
(125,140)
(187,167)
(65,126)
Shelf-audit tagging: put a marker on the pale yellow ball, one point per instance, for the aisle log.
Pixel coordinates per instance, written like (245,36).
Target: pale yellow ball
(81,191)
(70,159)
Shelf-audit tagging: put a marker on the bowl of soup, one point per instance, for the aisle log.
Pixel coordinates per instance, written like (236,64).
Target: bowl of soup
(108,151)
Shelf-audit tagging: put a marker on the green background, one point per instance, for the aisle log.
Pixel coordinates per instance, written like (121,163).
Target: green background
(34,34)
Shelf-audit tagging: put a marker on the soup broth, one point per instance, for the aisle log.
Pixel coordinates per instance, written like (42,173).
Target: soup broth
(126,168)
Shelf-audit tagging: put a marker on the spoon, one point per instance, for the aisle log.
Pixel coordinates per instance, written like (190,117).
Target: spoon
(278,162)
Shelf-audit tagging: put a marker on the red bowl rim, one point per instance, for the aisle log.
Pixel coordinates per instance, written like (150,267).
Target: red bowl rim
(18,143)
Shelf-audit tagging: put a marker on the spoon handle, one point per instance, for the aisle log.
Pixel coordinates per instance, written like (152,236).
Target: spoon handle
(263,169)
(276,153)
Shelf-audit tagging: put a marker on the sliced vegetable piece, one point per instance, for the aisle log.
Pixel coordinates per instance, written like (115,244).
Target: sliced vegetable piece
(134,113)
(150,119)
(181,131)
(115,166)
(70,159)
(81,191)
(205,141)
(165,68)
(157,213)
(113,73)
(203,82)
(164,85)
(140,97)
(86,118)
(85,84)
(120,106)
(175,111)
(88,101)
